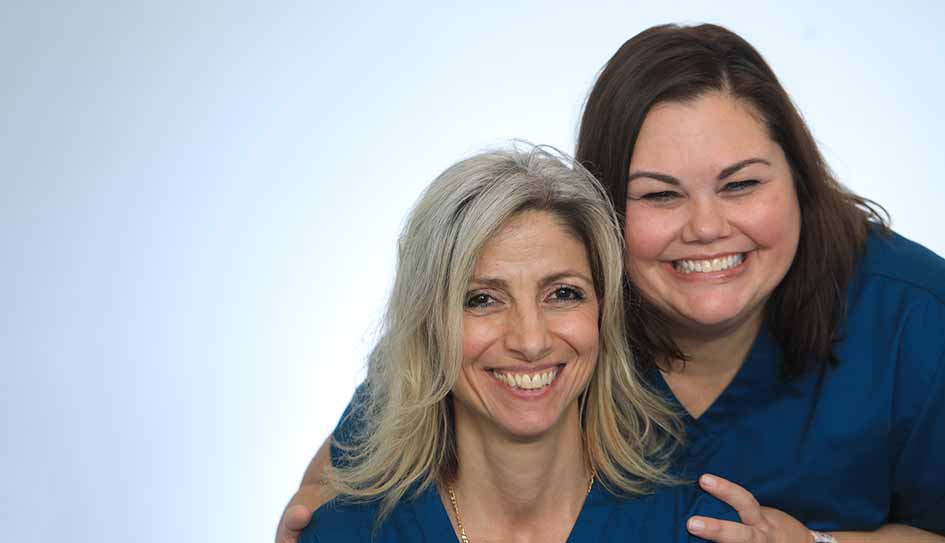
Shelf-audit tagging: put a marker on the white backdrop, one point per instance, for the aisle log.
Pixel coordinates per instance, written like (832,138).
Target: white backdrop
(199,203)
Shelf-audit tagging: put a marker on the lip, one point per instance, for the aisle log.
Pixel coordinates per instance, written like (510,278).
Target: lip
(530,370)
(697,277)
(711,256)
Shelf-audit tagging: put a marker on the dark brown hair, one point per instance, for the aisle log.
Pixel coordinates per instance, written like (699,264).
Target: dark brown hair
(673,63)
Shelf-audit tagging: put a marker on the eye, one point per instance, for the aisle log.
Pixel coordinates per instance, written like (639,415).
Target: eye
(659,196)
(740,186)
(566,294)
(478,300)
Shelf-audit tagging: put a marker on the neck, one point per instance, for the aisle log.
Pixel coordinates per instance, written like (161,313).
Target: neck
(714,359)
(512,489)
(716,352)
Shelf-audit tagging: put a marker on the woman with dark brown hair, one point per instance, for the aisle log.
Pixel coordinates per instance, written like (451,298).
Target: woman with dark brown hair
(801,339)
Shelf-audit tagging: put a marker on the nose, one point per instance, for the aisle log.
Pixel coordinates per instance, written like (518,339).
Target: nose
(707,221)
(527,333)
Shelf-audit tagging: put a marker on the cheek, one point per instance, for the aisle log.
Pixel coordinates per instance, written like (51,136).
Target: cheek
(791,233)
(580,331)
(642,249)
(477,336)
(646,235)
(586,347)
(793,211)
(778,222)
(587,341)
(590,351)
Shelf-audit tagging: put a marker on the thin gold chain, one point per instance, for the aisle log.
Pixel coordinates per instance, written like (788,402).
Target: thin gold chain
(459,519)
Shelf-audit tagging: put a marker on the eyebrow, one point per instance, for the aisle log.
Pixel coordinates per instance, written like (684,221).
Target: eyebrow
(730,170)
(726,172)
(495,282)
(491,282)
(564,275)
(666,178)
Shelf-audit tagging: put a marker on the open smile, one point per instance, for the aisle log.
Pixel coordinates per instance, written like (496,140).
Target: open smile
(709,265)
(535,380)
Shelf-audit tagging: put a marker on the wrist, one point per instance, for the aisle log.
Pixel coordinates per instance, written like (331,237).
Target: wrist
(821,537)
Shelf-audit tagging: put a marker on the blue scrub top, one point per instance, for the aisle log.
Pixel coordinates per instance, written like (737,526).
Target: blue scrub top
(604,517)
(850,447)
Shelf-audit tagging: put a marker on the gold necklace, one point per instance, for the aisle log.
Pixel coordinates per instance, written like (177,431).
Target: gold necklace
(459,519)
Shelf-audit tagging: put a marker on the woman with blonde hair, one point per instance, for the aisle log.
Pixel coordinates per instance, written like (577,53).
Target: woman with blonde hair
(500,402)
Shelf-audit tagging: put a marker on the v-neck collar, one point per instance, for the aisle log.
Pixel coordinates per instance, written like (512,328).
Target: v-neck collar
(430,514)
(752,385)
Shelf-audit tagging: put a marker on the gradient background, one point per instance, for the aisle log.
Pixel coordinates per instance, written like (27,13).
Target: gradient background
(200,202)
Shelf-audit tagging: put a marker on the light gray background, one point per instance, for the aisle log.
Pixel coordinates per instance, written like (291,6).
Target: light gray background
(200,202)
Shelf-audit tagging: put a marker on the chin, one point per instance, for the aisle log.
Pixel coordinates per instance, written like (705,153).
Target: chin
(528,429)
(526,426)
(711,317)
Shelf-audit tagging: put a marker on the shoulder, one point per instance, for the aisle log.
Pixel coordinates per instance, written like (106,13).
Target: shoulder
(416,518)
(895,327)
(899,262)
(341,521)
(899,289)
(351,424)
(896,302)
(662,515)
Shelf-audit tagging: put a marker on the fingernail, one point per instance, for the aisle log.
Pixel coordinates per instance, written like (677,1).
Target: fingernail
(709,481)
(696,525)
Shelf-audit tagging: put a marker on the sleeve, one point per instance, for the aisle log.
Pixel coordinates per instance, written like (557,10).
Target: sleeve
(348,426)
(918,485)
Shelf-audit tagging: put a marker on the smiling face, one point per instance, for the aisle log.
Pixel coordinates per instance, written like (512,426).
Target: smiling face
(529,330)
(712,220)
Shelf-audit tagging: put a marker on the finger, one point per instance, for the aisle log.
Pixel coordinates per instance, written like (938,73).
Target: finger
(740,499)
(294,520)
(723,531)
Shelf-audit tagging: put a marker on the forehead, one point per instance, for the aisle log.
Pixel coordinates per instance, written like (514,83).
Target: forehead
(533,236)
(713,130)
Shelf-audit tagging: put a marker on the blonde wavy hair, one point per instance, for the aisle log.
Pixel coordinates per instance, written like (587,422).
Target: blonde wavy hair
(403,436)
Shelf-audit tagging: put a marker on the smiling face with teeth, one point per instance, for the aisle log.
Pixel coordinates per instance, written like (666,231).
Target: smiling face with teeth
(712,217)
(530,331)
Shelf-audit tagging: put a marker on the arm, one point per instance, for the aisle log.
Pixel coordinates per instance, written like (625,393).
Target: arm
(310,496)
(766,525)
(890,533)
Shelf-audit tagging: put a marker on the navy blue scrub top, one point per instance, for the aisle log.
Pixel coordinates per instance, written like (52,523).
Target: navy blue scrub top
(850,447)
(659,517)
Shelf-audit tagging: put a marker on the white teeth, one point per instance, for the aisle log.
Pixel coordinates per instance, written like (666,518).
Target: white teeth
(710,265)
(526,381)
